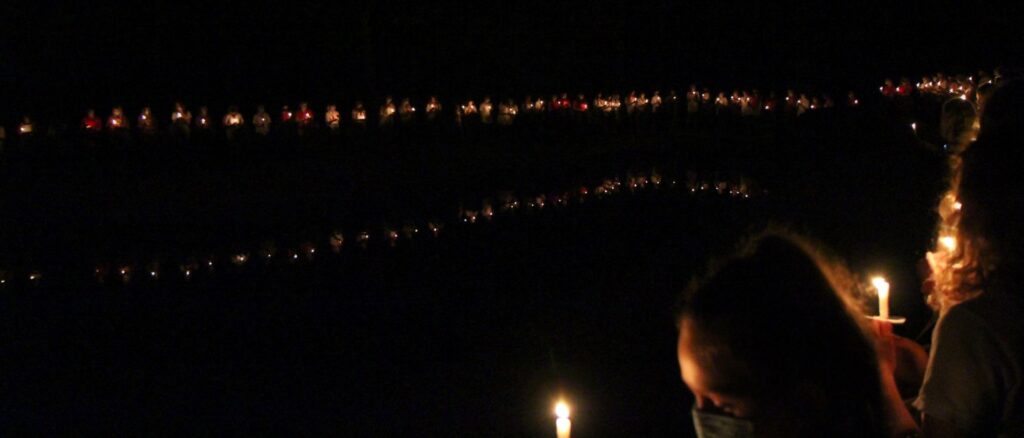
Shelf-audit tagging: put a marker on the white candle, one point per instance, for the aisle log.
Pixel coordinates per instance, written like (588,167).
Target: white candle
(882,287)
(563,425)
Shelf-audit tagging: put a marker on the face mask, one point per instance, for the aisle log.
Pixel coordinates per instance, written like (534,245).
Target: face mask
(714,425)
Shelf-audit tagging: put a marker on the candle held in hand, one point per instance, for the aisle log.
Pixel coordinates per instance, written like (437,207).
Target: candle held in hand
(882,287)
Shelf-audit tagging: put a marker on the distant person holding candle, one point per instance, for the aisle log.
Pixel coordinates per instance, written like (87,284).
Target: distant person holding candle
(233,118)
(332,118)
(386,113)
(974,381)
(233,121)
(304,117)
(359,115)
(203,120)
(91,123)
(887,88)
(406,111)
(26,128)
(771,344)
(261,121)
(181,119)
(146,124)
(433,108)
(486,110)
(116,120)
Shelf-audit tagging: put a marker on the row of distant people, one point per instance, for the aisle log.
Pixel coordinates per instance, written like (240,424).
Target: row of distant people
(742,102)
(962,85)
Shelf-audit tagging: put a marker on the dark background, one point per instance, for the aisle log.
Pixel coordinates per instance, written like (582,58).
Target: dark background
(476,333)
(62,58)
(473,333)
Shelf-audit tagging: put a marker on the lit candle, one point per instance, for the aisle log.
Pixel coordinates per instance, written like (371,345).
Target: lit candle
(882,287)
(562,423)
(949,242)
(913,126)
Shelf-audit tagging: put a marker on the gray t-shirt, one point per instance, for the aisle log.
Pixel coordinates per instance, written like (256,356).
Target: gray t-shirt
(974,373)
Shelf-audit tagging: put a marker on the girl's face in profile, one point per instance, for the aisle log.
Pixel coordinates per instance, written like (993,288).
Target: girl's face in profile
(712,389)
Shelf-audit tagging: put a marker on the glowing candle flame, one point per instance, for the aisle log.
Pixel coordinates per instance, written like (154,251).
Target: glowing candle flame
(949,242)
(562,410)
(882,287)
(562,423)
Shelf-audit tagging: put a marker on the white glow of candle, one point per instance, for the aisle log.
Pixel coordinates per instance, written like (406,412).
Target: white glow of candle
(882,287)
(913,126)
(949,242)
(562,424)
(957,206)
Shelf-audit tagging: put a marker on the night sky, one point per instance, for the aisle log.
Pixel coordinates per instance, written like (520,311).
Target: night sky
(62,58)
